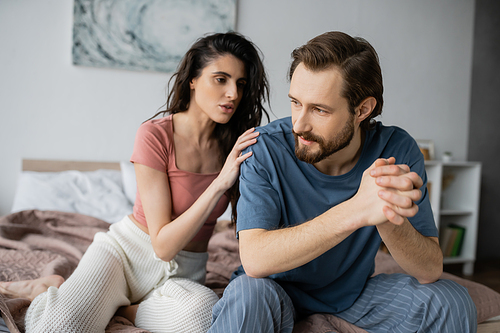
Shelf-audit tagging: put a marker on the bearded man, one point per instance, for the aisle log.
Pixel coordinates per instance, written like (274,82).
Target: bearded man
(321,191)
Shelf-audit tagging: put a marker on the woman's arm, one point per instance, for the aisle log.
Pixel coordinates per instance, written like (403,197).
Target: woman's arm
(169,236)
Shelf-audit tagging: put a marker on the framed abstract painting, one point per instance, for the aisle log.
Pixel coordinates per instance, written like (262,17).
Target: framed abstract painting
(150,35)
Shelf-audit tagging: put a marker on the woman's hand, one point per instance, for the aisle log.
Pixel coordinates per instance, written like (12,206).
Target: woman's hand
(231,169)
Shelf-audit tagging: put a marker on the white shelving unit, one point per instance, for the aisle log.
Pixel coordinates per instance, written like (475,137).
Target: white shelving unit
(454,194)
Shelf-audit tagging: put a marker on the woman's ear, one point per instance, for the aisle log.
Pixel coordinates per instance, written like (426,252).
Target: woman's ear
(365,108)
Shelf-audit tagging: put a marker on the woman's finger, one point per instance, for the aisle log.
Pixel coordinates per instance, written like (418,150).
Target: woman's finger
(250,133)
(241,158)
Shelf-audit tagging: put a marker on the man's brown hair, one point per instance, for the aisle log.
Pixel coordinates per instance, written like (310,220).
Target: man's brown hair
(357,61)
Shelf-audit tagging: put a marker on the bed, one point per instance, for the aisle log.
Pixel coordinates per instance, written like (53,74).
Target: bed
(60,205)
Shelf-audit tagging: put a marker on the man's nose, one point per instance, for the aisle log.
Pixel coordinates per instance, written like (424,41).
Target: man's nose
(301,122)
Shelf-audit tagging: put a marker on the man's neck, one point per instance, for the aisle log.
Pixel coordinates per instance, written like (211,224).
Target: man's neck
(344,160)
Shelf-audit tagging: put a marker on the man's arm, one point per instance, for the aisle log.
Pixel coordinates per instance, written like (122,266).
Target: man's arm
(419,256)
(265,252)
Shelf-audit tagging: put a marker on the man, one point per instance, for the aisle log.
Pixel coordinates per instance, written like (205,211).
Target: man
(320,192)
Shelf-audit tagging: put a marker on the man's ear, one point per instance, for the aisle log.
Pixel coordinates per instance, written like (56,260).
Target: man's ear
(365,108)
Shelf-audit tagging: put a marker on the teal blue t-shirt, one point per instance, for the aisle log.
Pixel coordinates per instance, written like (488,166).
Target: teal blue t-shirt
(278,190)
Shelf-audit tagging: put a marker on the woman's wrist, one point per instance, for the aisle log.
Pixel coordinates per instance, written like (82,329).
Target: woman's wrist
(219,186)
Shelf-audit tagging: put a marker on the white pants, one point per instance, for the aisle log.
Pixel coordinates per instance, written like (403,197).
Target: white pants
(120,268)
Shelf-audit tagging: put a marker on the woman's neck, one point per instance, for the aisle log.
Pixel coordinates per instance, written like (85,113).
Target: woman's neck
(195,126)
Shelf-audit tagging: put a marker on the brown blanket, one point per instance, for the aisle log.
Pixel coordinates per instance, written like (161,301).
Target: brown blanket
(40,243)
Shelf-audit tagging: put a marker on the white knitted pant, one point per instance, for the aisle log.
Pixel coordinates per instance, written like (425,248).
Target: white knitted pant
(120,268)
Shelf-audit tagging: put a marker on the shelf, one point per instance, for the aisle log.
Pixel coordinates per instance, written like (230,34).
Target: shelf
(455,260)
(454,195)
(455,212)
(451,163)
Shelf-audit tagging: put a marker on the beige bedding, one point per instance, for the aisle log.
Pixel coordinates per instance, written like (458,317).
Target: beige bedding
(39,243)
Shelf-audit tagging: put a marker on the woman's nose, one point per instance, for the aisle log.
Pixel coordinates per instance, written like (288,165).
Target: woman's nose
(232,91)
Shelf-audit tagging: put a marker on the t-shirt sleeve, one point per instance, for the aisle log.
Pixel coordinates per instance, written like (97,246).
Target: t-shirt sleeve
(150,147)
(259,203)
(423,221)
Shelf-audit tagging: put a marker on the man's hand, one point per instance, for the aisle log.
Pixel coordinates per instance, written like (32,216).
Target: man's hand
(386,193)
(401,189)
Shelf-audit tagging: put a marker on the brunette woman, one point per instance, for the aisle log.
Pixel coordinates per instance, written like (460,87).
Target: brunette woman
(151,266)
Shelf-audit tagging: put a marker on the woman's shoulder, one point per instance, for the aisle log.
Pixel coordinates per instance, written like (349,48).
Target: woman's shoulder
(159,128)
(163,124)
(153,143)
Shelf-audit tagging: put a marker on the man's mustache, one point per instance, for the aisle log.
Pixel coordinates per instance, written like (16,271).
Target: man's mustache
(308,136)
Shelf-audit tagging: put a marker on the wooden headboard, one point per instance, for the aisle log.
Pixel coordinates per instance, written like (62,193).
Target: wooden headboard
(56,165)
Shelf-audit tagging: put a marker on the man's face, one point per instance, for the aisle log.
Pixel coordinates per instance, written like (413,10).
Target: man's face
(322,123)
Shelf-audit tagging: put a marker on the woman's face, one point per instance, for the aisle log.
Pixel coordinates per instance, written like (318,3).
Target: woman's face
(217,92)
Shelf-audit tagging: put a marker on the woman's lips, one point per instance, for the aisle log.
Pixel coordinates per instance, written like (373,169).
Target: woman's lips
(228,108)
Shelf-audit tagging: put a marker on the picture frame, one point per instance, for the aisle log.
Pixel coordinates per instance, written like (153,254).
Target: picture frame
(142,35)
(427,149)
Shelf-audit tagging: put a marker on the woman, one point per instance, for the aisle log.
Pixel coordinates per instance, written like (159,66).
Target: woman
(186,165)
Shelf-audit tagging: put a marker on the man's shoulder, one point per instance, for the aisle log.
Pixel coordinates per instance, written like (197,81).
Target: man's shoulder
(277,133)
(277,127)
(393,141)
(275,143)
(390,133)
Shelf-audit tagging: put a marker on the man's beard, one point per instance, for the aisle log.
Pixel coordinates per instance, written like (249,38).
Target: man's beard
(340,141)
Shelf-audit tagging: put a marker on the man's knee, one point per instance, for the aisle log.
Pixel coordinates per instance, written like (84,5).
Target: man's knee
(453,295)
(256,294)
(453,302)
(247,298)
(249,290)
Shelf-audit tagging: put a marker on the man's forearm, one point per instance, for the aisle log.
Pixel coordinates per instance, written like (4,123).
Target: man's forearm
(419,256)
(266,252)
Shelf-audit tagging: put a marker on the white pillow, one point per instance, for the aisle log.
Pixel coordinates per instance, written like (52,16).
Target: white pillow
(95,193)
(128,179)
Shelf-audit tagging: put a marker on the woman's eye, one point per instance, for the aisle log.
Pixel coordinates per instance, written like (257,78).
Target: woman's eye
(220,79)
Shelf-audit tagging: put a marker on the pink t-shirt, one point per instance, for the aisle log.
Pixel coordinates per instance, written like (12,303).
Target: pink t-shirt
(154,148)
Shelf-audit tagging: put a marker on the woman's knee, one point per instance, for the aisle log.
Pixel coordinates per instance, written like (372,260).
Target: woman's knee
(181,305)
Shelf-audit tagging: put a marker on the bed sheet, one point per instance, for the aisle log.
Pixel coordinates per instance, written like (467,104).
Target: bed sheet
(37,243)
(95,193)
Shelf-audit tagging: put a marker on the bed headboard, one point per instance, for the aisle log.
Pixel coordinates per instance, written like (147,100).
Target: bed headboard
(57,165)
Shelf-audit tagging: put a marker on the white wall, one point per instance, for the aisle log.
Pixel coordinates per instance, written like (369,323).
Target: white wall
(51,109)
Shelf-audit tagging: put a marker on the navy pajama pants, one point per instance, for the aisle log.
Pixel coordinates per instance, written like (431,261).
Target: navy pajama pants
(389,303)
